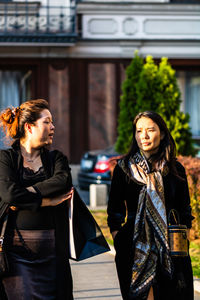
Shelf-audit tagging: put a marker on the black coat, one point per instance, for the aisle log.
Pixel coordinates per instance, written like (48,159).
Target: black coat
(123,199)
(58,181)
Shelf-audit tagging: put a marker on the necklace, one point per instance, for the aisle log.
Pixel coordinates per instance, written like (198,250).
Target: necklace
(27,155)
(30,160)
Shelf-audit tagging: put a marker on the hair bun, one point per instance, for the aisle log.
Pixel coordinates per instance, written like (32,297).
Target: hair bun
(8,116)
(10,120)
(14,112)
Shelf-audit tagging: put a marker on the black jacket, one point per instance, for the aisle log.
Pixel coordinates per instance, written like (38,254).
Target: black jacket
(123,199)
(58,181)
(124,194)
(11,191)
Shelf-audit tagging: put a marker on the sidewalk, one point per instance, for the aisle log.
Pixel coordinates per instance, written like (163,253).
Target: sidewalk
(96,278)
(197,285)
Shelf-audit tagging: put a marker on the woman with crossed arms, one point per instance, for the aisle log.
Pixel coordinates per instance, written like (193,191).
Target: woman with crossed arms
(35,184)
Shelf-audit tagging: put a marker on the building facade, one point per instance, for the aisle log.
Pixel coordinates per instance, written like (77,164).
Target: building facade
(74,54)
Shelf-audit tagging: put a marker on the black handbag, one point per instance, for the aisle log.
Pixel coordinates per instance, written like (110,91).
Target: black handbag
(85,236)
(3,258)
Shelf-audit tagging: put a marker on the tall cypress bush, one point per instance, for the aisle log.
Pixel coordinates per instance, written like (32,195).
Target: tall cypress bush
(128,101)
(151,87)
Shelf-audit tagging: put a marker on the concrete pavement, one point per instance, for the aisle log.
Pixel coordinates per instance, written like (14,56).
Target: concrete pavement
(96,279)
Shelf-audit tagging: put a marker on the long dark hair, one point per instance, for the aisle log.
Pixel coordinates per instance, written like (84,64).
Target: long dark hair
(167,148)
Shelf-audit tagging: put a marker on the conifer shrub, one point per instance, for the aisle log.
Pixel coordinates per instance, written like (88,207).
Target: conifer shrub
(152,87)
(128,102)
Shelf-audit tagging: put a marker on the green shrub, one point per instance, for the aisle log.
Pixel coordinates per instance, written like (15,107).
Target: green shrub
(128,103)
(151,87)
(192,167)
(195,257)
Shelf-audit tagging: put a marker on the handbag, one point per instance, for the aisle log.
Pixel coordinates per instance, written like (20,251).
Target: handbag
(3,258)
(178,241)
(85,236)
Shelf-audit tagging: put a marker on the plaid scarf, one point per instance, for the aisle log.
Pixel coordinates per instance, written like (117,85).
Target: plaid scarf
(150,238)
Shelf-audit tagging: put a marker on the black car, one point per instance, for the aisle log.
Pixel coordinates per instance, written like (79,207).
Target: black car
(95,168)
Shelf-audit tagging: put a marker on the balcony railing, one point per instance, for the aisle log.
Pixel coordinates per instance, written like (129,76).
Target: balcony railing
(32,22)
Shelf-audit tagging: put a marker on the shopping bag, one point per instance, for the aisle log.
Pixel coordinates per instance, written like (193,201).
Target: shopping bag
(85,236)
(3,208)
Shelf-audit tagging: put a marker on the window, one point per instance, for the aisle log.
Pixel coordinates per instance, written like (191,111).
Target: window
(189,82)
(185,1)
(14,89)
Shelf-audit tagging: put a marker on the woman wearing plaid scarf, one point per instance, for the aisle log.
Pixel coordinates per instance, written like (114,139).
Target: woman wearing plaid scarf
(147,183)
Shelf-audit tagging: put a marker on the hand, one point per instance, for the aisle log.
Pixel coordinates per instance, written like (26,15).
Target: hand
(31,189)
(114,233)
(54,201)
(14,208)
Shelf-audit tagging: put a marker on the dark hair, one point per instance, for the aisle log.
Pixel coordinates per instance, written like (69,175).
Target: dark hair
(167,148)
(13,119)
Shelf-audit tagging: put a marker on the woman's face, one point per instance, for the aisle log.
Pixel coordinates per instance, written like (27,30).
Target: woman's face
(43,130)
(148,136)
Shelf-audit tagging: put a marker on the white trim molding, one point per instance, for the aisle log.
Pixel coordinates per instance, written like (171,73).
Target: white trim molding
(137,27)
(116,29)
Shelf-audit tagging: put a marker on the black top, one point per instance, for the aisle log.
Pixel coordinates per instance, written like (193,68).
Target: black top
(57,181)
(12,190)
(43,218)
(124,194)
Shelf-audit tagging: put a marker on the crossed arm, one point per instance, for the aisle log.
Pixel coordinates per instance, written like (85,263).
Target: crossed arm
(49,192)
(51,201)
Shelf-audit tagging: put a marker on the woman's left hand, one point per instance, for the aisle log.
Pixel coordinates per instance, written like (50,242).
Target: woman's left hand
(14,208)
(31,189)
(69,194)
(54,201)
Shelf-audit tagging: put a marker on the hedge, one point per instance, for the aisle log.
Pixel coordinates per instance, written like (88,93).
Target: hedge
(192,167)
